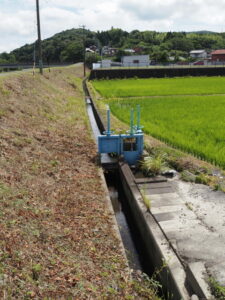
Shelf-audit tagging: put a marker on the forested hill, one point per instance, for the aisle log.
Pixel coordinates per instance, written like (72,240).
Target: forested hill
(62,47)
(67,46)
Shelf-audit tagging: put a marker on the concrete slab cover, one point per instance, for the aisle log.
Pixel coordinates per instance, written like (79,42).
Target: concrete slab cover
(160,200)
(150,180)
(197,271)
(193,219)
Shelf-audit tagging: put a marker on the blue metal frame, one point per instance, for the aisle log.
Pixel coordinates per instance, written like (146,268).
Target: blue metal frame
(130,145)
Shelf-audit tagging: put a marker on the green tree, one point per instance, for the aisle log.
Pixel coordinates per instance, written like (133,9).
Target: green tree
(7,58)
(72,53)
(182,44)
(91,58)
(120,53)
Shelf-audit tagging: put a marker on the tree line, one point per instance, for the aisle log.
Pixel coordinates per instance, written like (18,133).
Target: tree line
(67,46)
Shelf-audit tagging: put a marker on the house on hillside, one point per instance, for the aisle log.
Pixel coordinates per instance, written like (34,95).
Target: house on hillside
(138,50)
(129,50)
(135,61)
(198,54)
(218,56)
(92,49)
(108,51)
(89,50)
(135,50)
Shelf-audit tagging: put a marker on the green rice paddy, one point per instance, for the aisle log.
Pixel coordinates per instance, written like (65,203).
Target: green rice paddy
(194,123)
(160,86)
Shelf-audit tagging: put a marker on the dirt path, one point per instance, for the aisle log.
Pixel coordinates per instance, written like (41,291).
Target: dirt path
(56,233)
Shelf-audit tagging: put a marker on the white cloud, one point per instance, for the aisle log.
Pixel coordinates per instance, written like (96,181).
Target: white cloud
(21,23)
(182,14)
(18,18)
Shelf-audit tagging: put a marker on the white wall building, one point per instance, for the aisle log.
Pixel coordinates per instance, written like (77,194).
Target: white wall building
(135,61)
(198,54)
(96,66)
(106,63)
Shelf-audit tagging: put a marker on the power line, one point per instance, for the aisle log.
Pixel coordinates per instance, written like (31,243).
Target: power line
(39,38)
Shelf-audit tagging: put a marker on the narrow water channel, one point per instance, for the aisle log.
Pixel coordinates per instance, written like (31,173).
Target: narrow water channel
(135,249)
(133,244)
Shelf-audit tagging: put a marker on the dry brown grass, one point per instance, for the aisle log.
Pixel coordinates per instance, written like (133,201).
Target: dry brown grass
(56,236)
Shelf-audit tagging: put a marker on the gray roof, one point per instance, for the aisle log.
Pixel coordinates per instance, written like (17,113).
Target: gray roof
(197,51)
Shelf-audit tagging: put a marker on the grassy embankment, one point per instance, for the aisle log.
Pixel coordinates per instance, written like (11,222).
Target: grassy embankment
(194,123)
(56,232)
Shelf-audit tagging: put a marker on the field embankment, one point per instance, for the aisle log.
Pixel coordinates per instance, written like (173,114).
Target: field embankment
(56,232)
(157,72)
(187,113)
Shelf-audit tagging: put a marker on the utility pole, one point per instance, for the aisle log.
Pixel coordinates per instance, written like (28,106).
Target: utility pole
(34,59)
(84,50)
(39,38)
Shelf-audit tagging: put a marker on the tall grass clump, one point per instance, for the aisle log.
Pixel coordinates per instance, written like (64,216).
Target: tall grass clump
(152,166)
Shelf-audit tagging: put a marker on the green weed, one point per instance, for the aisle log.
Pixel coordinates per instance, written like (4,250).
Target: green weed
(189,205)
(35,167)
(152,166)
(54,163)
(202,178)
(3,91)
(36,270)
(2,113)
(219,187)
(187,176)
(4,190)
(217,290)
(147,200)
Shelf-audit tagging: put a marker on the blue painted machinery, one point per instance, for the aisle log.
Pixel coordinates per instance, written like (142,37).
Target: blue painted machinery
(129,146)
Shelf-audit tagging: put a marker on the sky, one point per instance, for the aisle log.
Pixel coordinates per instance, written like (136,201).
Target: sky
(18,17)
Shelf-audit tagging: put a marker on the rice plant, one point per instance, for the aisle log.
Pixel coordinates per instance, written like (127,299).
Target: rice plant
(160,86)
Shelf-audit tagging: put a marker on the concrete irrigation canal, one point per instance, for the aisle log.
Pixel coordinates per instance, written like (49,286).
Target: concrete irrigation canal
(180,226)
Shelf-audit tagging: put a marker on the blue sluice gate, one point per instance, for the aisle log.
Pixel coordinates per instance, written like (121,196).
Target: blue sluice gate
(129,146)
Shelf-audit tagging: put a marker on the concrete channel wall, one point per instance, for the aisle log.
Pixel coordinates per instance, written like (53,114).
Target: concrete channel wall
(156,72)
(170,270)
(95,111)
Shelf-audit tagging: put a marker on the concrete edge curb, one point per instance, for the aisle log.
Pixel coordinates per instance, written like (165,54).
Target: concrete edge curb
(172,274)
